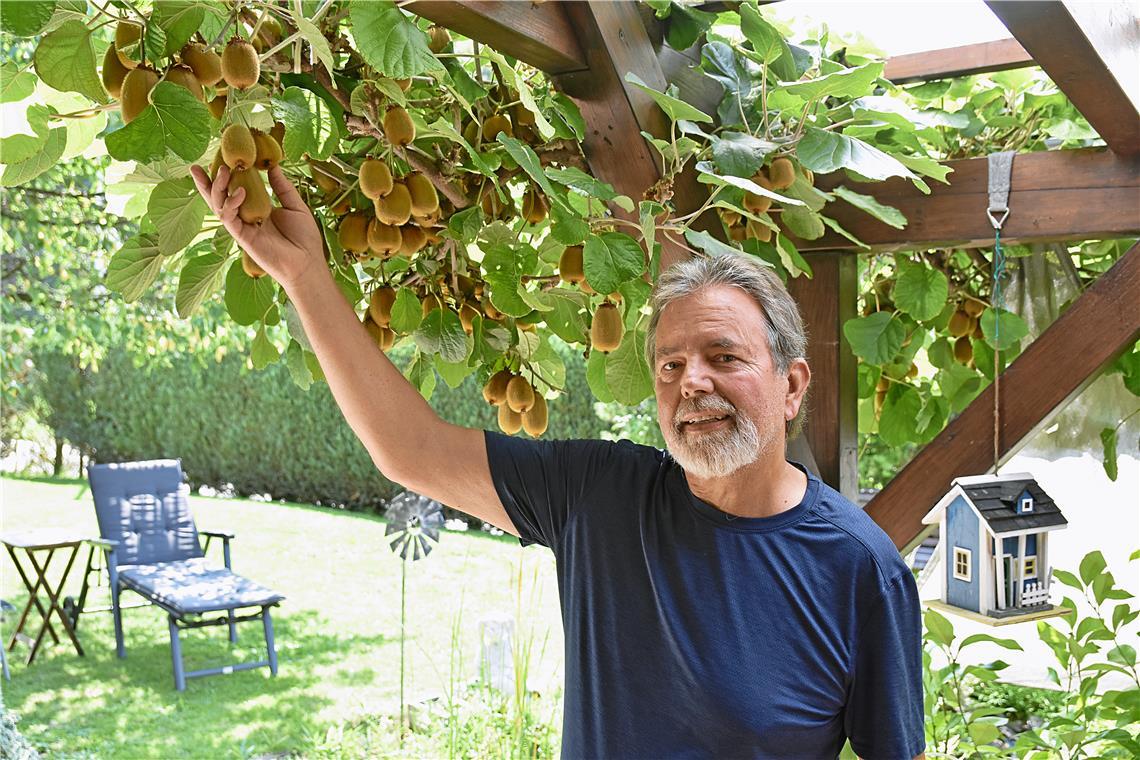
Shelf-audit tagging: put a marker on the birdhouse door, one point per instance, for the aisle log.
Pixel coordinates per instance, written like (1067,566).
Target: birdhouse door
(1007,595)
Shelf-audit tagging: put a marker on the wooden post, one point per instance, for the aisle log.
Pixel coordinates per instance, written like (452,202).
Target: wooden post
(826,301)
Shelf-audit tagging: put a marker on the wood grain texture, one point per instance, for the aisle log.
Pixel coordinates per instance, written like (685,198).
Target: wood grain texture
(826,301)
(1092,52)
(1056,195)
(1054,369)
(964,60)
(536,33)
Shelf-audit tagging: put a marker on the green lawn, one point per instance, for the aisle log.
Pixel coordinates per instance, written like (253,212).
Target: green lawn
(338,638)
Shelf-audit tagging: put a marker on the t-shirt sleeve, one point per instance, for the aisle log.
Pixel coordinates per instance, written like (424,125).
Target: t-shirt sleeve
(542,483)
(884,714)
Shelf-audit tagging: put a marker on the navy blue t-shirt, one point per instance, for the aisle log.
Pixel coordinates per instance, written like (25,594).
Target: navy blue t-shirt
(694,633)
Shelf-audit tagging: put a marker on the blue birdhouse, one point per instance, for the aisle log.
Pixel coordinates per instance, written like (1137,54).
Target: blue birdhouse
(994,544)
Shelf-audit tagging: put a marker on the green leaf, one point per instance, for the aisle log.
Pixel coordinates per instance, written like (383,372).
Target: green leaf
(686,25)
(920,290)
(21,146)
(569,112)
(311,33)
(566,319)
(200,278)
(846,83)
(389,41)
(938,628)
(452,373)
(674,108)
(1092,566)
(976,637)
(875,338)
(1002,328)
(179,19)
(541,125)
(886,214)
(803,223)
(65,60)
(709,244)
(309,124)
(1123,654)
(1108,442)
(740,154)
(707,174)
(769,44)
(177,210)
(262,352)
(298,367)
(1068,579)
(525,157)
(738,76)
(610,259)
(442,333)
(444,127)
(899,417)
(15,85)
(80,132)
(576,178)
(407,312)
(504,277)
(134,267)
(174,121)
(927,167)
(960,385)
(248,300)
(824,152)
(568,228)
(627,374)
(26,18)
(596,377)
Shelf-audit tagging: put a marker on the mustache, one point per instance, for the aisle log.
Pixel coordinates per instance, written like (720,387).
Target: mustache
(710,403)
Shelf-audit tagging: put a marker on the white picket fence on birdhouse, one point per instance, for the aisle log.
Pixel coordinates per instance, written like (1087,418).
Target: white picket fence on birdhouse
(1036,592)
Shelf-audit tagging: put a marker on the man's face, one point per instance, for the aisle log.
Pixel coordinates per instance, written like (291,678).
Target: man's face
(720,401)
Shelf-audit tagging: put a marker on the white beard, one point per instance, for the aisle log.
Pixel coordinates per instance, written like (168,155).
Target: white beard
(718,453)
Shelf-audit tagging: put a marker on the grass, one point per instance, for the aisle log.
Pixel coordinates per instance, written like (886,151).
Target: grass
(336,694)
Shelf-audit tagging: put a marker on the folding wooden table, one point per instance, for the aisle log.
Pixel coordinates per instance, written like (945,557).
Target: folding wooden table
(38,548)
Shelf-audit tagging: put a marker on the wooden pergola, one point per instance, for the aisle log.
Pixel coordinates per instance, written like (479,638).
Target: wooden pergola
(1088,50)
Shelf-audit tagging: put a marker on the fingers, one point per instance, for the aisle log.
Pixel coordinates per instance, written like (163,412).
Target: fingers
(201,181)
(218,191)
(285,191)
(228,212)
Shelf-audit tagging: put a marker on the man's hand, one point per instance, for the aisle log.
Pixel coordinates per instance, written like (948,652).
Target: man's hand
(287,245)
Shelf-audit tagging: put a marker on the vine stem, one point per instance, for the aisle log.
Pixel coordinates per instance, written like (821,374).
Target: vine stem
(280,46)
(86,113)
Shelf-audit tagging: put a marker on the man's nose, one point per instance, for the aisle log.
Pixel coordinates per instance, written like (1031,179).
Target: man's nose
(696,379)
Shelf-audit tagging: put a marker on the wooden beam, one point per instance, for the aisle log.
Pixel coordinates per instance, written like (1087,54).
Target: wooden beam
(539,34)
(1092,52)
(980,58)
(826,301)
(1056,195)
(1101,324)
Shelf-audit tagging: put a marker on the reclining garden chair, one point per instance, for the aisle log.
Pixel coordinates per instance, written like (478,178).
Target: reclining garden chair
(152,548)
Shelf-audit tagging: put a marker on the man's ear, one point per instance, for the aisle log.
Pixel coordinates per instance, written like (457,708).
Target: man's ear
(799,377)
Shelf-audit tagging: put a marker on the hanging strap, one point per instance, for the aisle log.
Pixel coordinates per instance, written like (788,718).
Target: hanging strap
(1001,171)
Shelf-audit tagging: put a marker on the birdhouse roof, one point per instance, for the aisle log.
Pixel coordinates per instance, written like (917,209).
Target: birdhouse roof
(995,499)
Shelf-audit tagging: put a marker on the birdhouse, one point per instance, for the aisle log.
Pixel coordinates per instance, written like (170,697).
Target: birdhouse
(994,546)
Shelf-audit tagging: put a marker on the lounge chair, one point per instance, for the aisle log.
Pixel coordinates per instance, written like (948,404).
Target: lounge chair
(152,548)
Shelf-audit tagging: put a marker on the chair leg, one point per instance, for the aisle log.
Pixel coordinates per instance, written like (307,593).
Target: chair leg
(267,622)
(176,656)
(117,614)
(233,628)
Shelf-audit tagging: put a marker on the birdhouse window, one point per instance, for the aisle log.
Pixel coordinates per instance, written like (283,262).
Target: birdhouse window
(1026,504)
(962,564)
(1030,569)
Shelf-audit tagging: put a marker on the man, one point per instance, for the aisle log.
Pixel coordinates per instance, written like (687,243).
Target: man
(718,601)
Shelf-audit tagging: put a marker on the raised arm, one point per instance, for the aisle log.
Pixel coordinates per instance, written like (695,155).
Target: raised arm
(407,440)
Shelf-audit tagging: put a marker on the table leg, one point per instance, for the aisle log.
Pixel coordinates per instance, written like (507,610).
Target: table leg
(33,597)
(54,606)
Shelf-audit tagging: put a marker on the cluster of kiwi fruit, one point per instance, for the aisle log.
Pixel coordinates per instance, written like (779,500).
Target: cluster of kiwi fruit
(521,406)
(965,324)
(779,175)
(606,328)
(197,68)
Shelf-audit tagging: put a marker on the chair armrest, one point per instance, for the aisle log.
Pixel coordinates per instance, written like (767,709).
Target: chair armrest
(217,534)
(225,536)
(108,544)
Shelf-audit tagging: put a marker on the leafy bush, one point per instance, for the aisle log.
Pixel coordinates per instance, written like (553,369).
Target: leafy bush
(13,746)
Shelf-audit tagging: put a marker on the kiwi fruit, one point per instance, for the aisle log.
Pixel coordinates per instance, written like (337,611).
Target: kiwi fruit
(183,76)
(758,231)
(757,204)
(809,175)
(913,371)
(238,147)
(113,72)
(240,65)
(251,267)
(413,239)
(522,116)
(880,397)
(342,207)
(570,264)
(278,132)
(585,287)
(729,217)
(510,421)
(489,309)
(353,233)
(126,35)
(495,391)
(440,38)
(520,394)
(959,323)
(380,305)
(404,84)
(606,330)
(496,124)
(738,233)
(216,164)
(963,349)
(534,206)
(384,239)
(534,421)
(398,126)
(256,205)
(374,330)
(973,308)
(375,179)
(761,179)
(268,151)
(783,173)
(883,385)
(430,304)
(977,331)
(467,314)
(425,200)
(205,63)
(324,177)
(396,207)
(217,106)
(471,133)
(135,97)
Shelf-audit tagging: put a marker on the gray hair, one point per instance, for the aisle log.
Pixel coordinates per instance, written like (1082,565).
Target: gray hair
(787,338)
